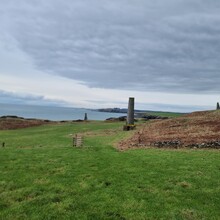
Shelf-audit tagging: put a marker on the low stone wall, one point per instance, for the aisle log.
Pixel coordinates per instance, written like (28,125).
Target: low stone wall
(212,144)
(173,143)
(179,144)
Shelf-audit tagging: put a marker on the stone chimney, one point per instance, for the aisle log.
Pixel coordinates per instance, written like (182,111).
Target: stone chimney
(130,114)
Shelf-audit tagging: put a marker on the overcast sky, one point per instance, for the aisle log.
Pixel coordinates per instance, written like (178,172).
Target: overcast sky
(97,53)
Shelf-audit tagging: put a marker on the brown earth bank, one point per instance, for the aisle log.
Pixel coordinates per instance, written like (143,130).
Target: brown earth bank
(195,130)
(15,122)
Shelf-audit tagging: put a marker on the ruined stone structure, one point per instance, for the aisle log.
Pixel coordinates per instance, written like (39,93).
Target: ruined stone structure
(85,117)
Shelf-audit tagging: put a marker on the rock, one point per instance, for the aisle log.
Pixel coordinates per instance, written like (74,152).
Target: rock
(110,119)
(172,143)
(121,118)
(211,144)
(151,117)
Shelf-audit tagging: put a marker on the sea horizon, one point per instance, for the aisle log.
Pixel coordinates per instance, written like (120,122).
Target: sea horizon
(55,113)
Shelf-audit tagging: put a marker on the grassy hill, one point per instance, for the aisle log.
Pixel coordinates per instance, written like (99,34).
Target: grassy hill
(43,177)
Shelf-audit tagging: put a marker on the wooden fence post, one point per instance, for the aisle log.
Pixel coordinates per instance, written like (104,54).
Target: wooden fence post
(77,140)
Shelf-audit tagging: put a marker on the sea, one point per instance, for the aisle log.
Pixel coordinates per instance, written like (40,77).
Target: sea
(54,113)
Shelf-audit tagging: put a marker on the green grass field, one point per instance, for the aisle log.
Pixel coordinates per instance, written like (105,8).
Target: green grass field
(165,114)
(43,177)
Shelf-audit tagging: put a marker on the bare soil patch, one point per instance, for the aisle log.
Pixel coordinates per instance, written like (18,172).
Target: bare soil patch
(198,129)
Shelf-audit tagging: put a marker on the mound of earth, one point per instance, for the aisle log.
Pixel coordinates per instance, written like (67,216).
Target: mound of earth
(198,130)
(14,122)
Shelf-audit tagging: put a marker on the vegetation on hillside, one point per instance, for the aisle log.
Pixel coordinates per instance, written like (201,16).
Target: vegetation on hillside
(198,129)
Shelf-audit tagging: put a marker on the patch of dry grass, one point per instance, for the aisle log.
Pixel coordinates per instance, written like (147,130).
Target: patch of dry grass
(15,123)
(197,127)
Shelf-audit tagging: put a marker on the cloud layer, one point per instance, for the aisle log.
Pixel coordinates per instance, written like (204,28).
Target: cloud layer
(9,97)
(168,46)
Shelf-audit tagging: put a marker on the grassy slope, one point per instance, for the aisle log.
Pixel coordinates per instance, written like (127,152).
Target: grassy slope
(43,177)
(165,114)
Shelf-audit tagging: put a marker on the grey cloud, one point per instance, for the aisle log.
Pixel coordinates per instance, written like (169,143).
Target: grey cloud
(171,46)
(174,108)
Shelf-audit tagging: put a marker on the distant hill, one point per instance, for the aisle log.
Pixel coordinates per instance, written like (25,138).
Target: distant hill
(197,130)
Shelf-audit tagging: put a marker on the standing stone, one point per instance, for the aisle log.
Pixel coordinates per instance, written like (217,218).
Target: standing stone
(217,107)
(130,114)
(85,117)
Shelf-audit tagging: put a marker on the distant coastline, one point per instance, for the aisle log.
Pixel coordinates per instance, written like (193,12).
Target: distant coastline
(125,110)
(113,110)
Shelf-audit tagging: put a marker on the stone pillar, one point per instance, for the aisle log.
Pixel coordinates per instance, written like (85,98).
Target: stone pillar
(130,114)
(217,107)
(85,117)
